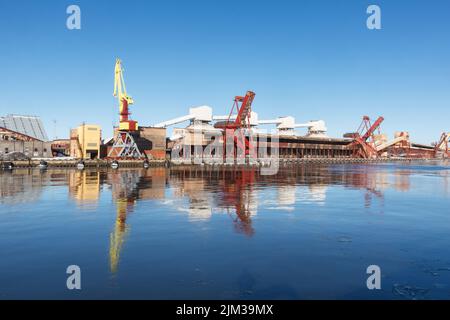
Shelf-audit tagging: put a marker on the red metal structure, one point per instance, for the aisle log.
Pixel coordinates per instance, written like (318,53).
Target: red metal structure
(441,148)
(363,145)
(234,130)
(237,187)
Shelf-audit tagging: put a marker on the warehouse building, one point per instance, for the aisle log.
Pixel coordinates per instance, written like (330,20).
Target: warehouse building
(24,134)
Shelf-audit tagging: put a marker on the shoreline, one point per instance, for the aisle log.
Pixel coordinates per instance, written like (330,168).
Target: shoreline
(89,164)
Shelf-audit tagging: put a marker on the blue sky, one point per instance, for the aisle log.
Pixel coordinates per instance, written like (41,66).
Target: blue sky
(309,59)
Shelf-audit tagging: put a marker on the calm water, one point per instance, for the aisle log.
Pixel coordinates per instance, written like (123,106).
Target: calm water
(308,232)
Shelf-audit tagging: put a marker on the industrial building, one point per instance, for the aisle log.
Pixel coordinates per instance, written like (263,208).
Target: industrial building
(25,135)
(153,142)
(61,147)
(85,141)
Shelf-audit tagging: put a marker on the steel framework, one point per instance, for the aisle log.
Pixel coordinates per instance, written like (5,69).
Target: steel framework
(124,147)
(238,129)
(441,148)
(363,145)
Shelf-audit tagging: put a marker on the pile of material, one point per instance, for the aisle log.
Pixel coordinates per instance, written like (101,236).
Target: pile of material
(13,156)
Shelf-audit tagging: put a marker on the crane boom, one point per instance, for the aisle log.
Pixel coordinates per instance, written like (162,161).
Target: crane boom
(244,112)
(372,129)
(120,91)
(245,109)
(360,145)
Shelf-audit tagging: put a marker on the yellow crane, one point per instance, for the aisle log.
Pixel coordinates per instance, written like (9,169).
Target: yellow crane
(120,91)
(124,144)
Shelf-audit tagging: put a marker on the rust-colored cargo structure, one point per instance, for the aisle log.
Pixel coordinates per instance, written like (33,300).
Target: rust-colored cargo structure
(286,147)
(306,147)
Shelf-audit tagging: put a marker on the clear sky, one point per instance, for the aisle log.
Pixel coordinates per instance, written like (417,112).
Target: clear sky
(309,59)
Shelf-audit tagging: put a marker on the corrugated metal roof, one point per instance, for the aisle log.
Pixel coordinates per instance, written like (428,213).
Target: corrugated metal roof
(28,125)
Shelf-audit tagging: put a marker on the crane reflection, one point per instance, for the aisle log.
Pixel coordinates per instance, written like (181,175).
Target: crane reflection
(201,193)
(128,187)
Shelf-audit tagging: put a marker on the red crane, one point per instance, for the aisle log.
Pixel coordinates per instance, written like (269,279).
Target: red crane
(441,148)
(361,145)
(234,130)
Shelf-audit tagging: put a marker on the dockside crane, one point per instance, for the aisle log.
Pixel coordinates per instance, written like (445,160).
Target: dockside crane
(363,144)
(236,128)
(124,143)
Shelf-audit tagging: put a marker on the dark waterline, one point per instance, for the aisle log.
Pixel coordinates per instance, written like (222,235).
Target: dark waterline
(308,232)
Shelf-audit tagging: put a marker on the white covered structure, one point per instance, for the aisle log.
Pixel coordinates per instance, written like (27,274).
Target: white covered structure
(201,118)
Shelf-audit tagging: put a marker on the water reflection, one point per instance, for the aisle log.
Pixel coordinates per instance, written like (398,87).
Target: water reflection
(128,187)
(199,207)
(84,187)
(23,185)
(208,191)
(238,196)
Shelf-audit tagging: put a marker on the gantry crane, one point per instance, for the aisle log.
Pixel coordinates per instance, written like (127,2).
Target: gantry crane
(363,144)
(235,126)
(124,144)
(441,148)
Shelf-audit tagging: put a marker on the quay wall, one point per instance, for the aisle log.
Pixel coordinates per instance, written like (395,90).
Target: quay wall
(166,163)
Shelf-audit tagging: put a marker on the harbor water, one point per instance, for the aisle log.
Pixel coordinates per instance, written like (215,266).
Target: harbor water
(308,232)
